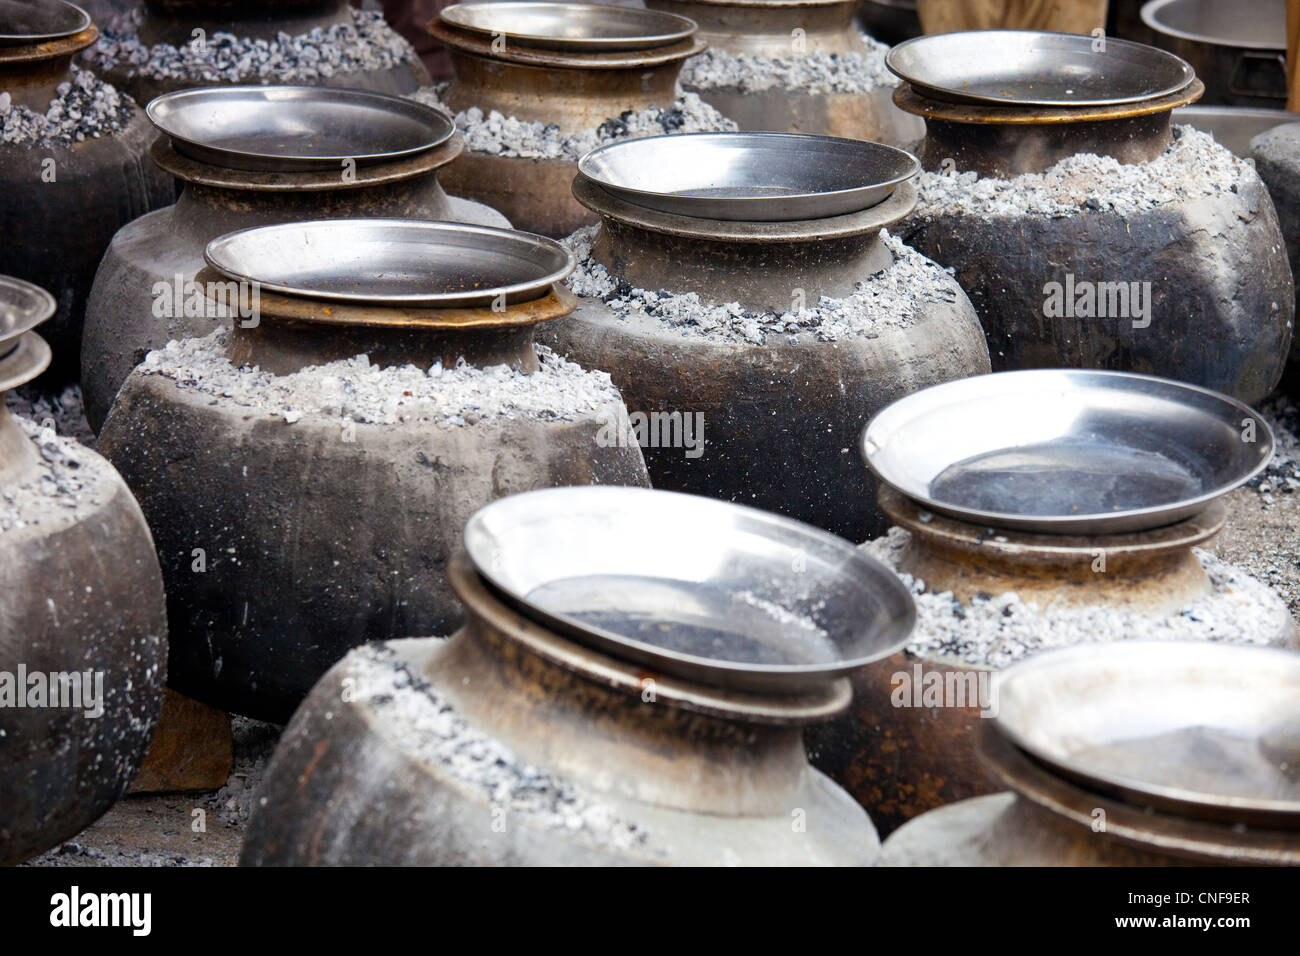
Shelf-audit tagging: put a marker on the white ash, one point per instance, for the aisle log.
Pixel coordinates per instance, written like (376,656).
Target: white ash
(64,412)
(1193,167)
(367,44)
(1282,476)
(354,390)
(426,723)
(888,300)
(496,134)
(1000,629)
(67,484)
(812,73)
(84,107)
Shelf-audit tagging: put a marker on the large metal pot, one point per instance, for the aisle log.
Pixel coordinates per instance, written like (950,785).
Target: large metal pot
(83,610)
(778,418)
(1206,324)
(183,22)
(61,202)
(1238,49)
(889,21)
(318,534)
(788,30)
(594,761)
(575,91)
(166,246)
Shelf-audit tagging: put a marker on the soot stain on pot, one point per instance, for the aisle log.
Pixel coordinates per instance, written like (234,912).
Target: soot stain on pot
(366,44)
(810,73)
(890,299)
(496,134)
(997,630)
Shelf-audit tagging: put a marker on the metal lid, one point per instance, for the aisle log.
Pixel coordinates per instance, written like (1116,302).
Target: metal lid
(23,353)
(393,262)
(296,128)
(704,590)
(588,27)
(1261,26)
(1033,68)
(24,22)
(1066,451)
(750,177)
(1207,731)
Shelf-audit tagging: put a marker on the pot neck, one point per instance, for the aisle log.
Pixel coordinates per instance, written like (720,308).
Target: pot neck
(285,334)
(616,728)
(764,266)
(780,30)
(1152,571)
(31,74)
(1006,141)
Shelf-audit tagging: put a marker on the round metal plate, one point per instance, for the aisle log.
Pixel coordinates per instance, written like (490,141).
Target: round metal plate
(393,262)
(23,306)
(25,22)
(587,27)
(1030,68)
(704,590)
(1066,451)
(1207,731)
(296,128)
(750,177)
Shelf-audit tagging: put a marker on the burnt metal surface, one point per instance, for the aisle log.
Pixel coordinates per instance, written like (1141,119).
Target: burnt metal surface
(707,776)
(1006,141)
(121,324)
(82,595)
(56,232)
(1222,301)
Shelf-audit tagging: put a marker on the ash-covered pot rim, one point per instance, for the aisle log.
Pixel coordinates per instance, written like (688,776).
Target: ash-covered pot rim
(379,259)
(45,21)
(750,176)
(1062,707)
(203,122)
(1003,67)
(1077,414)
(558,554)
(577,27)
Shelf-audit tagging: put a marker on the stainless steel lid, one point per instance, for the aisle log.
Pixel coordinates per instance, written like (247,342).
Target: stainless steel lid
(582,27)
(1066,451)
(705,590)
(25,22)
(23,306)
(1201,730)
(296,128)
(750,177)
(393,262)
(1032,68)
